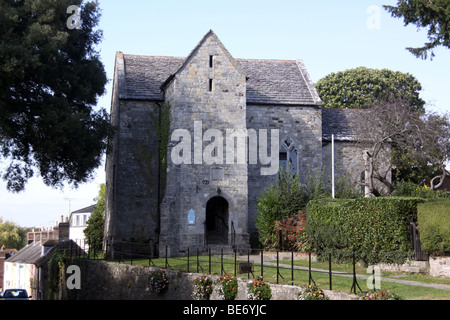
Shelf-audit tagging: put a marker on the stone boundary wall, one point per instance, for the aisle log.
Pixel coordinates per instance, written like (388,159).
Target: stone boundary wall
(436,267)
(439,267)
(102,280)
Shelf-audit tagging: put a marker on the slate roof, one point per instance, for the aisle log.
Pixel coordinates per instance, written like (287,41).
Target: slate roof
(32,253)
(29,254)
(269,81)
(89,209)
(340,122)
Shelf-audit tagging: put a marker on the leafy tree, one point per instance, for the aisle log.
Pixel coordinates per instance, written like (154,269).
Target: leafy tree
(12,236)
(96,223)
(358,88)
(51,78)
(434,15)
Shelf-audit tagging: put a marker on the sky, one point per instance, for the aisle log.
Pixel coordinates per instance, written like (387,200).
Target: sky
(328,35)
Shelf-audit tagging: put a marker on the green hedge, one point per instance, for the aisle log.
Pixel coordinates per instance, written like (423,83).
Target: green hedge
(375,229)
(434,225)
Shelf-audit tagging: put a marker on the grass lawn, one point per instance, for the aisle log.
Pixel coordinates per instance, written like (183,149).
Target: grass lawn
(301,277)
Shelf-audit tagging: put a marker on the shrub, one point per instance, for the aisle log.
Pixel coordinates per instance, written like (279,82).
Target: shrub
(293,230)
(203,287)
(375,229)
(379,295)
(281,200)
(158,282)
(312,293)
(434,225)
(259,290)
(411,189)
(227,287)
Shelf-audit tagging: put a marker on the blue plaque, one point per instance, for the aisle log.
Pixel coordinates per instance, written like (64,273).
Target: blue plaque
(191,217)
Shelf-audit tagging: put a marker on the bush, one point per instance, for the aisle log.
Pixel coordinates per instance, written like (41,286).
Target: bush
(158,282)
(281,200)
(293,230)
(227,287)
(312,293)
(434,225)
(410,189)
(375,229)
(259,290)
(379,295)
(203,287)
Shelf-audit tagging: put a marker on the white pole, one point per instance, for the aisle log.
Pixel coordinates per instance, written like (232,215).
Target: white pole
(332,167)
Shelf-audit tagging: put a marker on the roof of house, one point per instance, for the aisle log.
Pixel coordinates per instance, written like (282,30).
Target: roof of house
(28,254)
(32,253)
(269,81)
(89,209)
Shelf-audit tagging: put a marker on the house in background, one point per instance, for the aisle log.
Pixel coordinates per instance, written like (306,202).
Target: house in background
(27,269)
(78,222)
(4,254)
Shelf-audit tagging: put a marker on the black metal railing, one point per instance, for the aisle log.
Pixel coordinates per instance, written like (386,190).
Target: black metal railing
(203,260)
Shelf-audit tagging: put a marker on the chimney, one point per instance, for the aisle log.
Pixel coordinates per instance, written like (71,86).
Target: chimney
(63,230)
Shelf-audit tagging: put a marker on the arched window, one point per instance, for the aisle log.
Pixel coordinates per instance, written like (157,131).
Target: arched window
(289,156)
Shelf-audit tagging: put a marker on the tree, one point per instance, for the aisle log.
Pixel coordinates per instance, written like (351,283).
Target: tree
(434,15)
(12,236)
(410,137)
(51,78)
(96,223)
(358,88)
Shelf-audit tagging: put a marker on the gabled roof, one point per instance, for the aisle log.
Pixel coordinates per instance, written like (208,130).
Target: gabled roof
(194,52)
(277,82)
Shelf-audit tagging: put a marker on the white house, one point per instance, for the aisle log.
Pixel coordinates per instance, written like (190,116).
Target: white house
(78,222)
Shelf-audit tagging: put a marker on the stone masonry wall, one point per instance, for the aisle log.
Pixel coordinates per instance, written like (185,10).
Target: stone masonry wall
(113,281)
(132,174)
(197,106)
(303,125)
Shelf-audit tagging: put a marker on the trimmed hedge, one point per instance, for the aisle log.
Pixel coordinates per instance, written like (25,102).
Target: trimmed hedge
(375,229)
(434,225)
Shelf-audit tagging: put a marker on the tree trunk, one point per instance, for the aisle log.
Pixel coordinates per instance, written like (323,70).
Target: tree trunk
(441,177)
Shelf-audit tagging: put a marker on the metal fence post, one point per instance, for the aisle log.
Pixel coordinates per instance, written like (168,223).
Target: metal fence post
(262,263)
(235,263)
(209,253)
(292,267)
(329,264)
(278,265)
(188,254)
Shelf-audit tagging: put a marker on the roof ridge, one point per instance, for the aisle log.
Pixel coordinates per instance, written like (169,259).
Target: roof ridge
(151,56)
(267,59)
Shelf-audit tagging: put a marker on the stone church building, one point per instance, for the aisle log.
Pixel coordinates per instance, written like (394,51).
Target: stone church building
(230,122)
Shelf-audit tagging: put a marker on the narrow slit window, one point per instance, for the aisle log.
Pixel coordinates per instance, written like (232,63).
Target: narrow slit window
(210,88)
(211,61)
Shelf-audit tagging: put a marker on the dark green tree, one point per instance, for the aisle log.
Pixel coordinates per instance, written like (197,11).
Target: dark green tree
(51,78)
(434,15)
(360,87)
(96,223)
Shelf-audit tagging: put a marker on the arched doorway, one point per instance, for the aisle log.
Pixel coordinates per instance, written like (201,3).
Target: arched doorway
(216,224)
